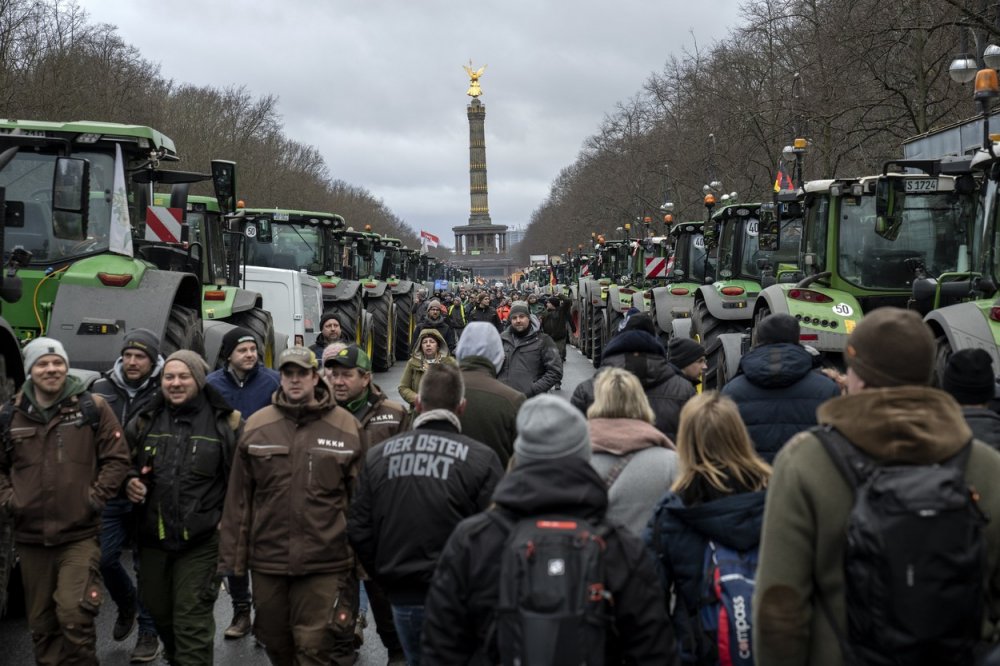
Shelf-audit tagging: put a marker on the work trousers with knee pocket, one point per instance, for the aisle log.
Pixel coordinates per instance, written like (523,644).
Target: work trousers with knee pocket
(306,620)
(62,589)
(179,589)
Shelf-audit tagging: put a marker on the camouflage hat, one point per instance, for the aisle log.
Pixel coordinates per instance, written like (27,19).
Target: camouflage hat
(352,357)
(300,356)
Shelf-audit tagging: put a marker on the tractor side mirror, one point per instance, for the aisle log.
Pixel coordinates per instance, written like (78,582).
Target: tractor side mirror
(224,183)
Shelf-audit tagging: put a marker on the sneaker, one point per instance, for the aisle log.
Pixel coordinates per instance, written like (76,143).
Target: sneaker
(359,631)
(397,658)
(240,626)
(147,648)
(125,622)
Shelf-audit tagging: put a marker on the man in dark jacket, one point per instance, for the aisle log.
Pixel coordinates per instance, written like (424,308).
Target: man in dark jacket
(531,360)
(247,386)
(491,406)
(969,379)
(552,475)
(485,311)
(637,350)
(62,458)
(350,375)
(413,490)
(182,444)
(776,388)
(687,357)
(128,386)
(437,319)
(286,506)
(555,321)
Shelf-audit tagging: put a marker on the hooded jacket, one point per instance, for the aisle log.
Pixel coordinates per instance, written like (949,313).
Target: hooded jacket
(59,471)
(413,489)
(126,401)
(644,356)
(292,479)
(531,364)
(409,383)
(249,395)
(985,424)
(677,536)
(189,449)
(777,393)
(464,592)
(491,407)
(646,476)
(805,520)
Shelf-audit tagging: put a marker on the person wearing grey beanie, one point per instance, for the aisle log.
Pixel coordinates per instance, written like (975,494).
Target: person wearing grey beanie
(549,428)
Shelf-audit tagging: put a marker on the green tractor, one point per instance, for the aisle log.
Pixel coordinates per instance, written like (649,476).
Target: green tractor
(311,241)
(392,261)
(726,304)
(358,248)
(91,275)
(854,257)
(683,272)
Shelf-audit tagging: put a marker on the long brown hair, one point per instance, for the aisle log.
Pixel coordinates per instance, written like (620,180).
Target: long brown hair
(713,443)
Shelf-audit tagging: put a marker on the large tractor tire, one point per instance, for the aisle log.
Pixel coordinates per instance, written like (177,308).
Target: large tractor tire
(384,324)
(706,329)
(367,342)
(598,335)
(405,325)
(184,331)
(351,315)
(260,322)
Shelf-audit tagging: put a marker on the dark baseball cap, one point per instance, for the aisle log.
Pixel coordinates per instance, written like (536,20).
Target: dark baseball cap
(351,356)
(300,356)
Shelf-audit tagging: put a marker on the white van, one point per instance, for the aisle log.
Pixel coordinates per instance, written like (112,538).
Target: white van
(293,298)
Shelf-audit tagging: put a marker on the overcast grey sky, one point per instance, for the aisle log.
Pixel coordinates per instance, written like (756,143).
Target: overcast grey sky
(378,86)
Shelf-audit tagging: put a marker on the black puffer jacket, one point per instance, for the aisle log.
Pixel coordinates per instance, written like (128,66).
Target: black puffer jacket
(644,356)
(531,362)
(189,450)
(441,325)
(778,392)
(985,424)
(413,490)
(462,600)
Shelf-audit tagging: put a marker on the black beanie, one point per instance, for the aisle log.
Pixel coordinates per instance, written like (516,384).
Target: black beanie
(143,340)
(641,322)
(775,329)
(682,352)
(233,339)
(327,316)
(969,377)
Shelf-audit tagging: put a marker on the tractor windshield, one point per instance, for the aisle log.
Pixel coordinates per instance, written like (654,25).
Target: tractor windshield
(206,228)
(932,236)
(28,181)
(294,246)
(690,257)
(790,234)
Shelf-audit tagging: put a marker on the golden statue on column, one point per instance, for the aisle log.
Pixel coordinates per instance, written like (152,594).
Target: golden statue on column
(474,89)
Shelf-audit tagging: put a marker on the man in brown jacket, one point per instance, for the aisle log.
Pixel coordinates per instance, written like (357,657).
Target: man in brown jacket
(62,457)
(286,513)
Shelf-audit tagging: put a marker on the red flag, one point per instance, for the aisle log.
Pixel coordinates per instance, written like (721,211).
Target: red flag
(431,239)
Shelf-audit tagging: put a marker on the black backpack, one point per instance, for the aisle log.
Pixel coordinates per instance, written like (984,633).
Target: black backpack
(914,562)
(553,605)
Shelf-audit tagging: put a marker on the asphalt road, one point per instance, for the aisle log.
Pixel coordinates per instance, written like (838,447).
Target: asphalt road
(15,640)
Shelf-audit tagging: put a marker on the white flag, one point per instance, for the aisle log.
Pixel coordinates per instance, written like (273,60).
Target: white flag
(120,239)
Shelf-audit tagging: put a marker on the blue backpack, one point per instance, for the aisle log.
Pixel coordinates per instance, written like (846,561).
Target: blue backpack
(724,615)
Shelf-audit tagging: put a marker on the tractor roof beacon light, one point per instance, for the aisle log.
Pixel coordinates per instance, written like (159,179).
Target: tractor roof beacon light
(987,86)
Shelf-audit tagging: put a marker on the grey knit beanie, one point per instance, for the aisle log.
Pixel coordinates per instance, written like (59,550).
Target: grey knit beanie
(549,428)
(197,365)
(40,347)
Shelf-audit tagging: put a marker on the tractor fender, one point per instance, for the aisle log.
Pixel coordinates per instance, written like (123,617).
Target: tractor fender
(377,291)
(91,321)
(966,327)
(403,287)
(774,299)
(280,343)
(714,303)
(344,291)
(664,304)
(245,299)
(681,328)
(732,350)
(10,348)
(215,330)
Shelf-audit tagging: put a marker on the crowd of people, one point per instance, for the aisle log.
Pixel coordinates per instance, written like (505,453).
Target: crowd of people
(486,519)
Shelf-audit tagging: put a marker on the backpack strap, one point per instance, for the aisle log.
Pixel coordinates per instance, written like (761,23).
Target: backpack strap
(6,417)
(852,463)
(617,469)
(89,409)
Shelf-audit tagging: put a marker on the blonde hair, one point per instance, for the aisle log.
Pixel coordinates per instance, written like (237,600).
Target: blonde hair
(713,443)
(618,394)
